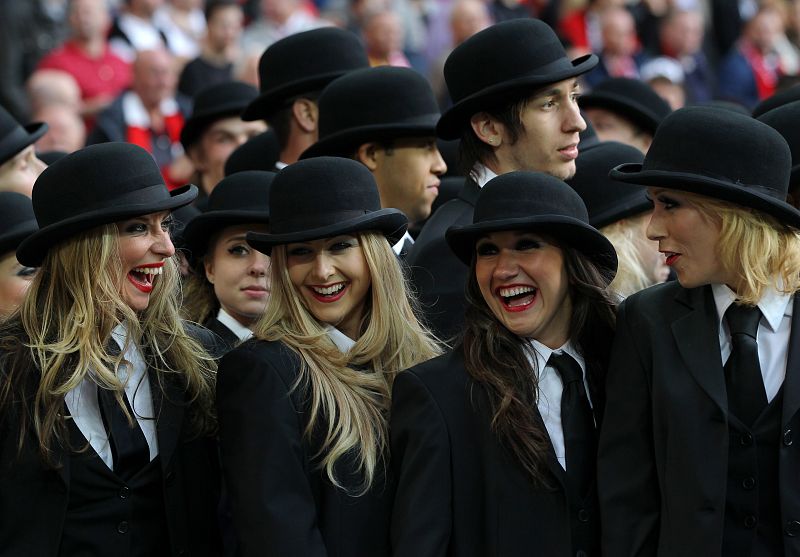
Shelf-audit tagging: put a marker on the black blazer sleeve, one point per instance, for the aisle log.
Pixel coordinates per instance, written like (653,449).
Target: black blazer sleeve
(627,479)
(422,514)
(263,456)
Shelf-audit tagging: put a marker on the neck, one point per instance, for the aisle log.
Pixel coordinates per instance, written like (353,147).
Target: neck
(94,46)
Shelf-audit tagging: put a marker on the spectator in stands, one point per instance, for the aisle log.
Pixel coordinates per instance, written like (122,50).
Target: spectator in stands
(184,25)
(279,19)
(135,29)
(620,55)
(66,133)
(581,28)
(681,37)
(665,76)
(46,87)
(383,39)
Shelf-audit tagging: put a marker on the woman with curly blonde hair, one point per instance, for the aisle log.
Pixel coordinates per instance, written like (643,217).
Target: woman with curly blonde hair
(303,408)
(106,398)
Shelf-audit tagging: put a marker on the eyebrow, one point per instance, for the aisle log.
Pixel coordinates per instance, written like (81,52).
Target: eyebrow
(555,91)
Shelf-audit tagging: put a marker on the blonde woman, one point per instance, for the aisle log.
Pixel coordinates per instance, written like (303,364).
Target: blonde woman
(105,399)
(303,409)
(697,452)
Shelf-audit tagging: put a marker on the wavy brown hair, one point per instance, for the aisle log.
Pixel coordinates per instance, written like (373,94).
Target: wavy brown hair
(499,361)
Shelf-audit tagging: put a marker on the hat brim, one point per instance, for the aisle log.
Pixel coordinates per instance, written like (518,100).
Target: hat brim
(20,138)
(392,223)
(571,231)
(12,237)
(33,249)
(632,173)
(345,142)
(453,120)
(270,101)
(197,123)
(200,229)
(628,108)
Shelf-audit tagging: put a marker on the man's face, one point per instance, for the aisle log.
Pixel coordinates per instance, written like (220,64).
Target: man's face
(408,174)
(218,142)
(610,126)
(548,142)
(225,27)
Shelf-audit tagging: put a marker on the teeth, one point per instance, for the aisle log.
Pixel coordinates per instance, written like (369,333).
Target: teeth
(328,290)
(516,290)
(149,270)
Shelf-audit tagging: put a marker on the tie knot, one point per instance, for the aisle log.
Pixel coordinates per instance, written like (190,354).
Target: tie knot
(743,319)
(566,366)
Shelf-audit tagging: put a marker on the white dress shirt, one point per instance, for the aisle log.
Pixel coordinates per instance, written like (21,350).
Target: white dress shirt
(481,174)
(343,342)
(550,389)
(772,336)
(242,332)
(84,407)
(398,247)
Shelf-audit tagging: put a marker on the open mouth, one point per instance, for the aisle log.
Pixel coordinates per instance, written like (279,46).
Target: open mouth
(329,293)
(143,277)
(517,298)
(671,257)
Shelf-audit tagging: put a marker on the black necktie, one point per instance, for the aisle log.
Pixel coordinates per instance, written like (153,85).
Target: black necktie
(577,422)
(128,445)
(746,395)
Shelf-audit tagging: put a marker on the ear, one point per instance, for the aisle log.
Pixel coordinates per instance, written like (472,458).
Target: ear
(306,114)
(487,128)
(367,154)
(208,264)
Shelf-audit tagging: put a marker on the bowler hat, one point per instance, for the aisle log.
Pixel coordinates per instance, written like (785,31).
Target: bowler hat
(17,220)
(302,63)
(502,63)
(213,103)
(260,152)
(721,154)
(242,198)
(99,184)
(534,201)
(323,197)
(778,99)
(786,120)
(373,104)
(630,98)
(608,201)
(14,137)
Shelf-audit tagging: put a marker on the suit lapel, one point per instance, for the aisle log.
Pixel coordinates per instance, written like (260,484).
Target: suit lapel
(169,409)
(697,337)
(469,192)
(791,385)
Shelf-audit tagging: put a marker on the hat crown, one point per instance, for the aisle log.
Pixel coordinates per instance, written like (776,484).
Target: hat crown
(94,178)
(785,120)
(723,145)
(244,191)
(503,52)
(376,97)
(15,209)
(319,192)
(223,96)
(523,194)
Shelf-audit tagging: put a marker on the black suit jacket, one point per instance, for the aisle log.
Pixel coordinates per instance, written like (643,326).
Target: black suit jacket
(227,339)
(34,497)
(283,504)
(459,492)
(438,276)
(664,441)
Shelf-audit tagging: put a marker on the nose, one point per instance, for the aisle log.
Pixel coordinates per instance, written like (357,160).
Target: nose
(439,166)
(259,265)
(507,266)
(655,228)
(163,244)
(322,267)
(573,120)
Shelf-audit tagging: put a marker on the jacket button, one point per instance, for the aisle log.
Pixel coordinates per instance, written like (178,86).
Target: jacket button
(749,483)
(792,528)
(123,527)
(746,440)
(787,437)
(750,521)
(170,477)
(583,515)
(124,492)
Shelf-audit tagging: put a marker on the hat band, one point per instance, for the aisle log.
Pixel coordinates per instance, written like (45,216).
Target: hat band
(772,192)
(14,138)
(309,222)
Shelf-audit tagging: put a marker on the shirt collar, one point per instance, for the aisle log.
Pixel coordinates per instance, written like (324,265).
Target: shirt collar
(343,342)
(773,304)
(398,247)
(543,353)
(481,174)
(280,165)
(242,332)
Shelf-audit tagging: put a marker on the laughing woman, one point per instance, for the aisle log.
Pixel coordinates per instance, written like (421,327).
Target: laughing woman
(494,443)
(303,409)
(697,455)
(105,401)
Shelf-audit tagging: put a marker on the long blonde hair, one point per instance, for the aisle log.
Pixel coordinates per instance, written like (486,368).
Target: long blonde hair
(350,393)
(629,241)
(66,321)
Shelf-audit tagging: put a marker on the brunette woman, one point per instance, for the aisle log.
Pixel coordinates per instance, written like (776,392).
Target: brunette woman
(17,222)
(493,444)
(697,455)
(229,288)
(105,398)
(303,407)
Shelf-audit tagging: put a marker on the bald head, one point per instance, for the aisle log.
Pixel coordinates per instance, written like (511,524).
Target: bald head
(467,18)
(154,76)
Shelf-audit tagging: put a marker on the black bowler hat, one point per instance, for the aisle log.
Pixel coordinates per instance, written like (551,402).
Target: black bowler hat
(260,152)
(242,198)
(213,103)
(302,63)
(373,104)
(630,98)
(608,201)
(721,154)
(14,137)
(323,197)
(532,201)
(786,120)
(778,99)
(17,220)
(502,63)
(99,184)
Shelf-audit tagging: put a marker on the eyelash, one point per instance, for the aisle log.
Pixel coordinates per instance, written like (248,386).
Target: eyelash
(26,272)
(238,249)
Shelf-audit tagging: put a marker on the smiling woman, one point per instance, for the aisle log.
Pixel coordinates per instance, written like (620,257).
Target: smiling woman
(105,394)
